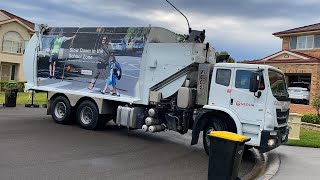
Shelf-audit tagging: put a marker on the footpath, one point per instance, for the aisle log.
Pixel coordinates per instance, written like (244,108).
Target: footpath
(289,162)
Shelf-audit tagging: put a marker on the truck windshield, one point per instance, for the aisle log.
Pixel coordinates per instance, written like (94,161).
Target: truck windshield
(278,85)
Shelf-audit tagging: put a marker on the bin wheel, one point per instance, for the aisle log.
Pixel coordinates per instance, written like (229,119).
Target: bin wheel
(88,116)
(214,124)
(61,110)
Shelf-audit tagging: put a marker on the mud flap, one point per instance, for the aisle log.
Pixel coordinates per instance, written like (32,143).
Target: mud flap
(198,125)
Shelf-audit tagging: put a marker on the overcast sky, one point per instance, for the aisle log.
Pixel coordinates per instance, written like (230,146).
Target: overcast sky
(242,27)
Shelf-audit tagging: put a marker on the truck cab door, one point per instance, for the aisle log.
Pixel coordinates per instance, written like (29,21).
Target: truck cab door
(221,85)
(246,104)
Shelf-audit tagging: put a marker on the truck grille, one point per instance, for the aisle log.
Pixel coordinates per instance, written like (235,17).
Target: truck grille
(282,117)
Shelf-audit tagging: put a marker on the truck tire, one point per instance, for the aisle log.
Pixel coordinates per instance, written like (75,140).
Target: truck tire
(247,147)
(214,124)
(61,110)
(88,116)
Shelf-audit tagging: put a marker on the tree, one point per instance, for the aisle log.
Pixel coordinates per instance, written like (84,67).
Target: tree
(230,59)
(130,32)
(145,32)
(244,61)
(316,104)
(138,32)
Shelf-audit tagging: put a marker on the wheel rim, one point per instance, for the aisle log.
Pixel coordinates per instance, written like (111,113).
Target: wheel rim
(209,130)
(60,110)
(86,115)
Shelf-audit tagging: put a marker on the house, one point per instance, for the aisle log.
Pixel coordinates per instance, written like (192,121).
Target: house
(15,33)
(299,58)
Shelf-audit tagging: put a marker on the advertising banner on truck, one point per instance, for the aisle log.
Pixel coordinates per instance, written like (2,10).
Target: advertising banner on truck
(97,60)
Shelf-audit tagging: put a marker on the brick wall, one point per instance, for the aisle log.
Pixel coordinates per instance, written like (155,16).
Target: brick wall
(286,46)
(309,126)
(314,52)
(285,43)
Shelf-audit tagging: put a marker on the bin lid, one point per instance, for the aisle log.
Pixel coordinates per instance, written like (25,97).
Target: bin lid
(229,136)
(12,82)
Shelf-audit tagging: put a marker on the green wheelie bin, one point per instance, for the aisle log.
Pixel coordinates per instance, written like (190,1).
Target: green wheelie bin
(11,92)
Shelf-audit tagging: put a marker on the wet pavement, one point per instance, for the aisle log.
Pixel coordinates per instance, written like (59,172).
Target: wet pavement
(34,147)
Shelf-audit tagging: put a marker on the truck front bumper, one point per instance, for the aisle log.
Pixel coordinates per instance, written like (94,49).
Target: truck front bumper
(273,139)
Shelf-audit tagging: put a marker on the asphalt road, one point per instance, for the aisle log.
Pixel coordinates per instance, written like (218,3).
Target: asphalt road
(34,147)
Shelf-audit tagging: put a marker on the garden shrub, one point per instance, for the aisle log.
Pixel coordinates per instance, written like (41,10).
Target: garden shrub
(20,85)
(311,118)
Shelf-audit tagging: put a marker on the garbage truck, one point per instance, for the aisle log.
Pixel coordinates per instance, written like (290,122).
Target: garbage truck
(174,83)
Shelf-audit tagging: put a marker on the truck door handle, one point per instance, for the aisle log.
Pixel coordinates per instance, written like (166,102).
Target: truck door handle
(231,101)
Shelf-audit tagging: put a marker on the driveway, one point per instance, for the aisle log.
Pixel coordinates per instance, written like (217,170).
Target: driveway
(298,163)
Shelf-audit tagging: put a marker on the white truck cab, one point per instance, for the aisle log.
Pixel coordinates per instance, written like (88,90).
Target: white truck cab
(260,112)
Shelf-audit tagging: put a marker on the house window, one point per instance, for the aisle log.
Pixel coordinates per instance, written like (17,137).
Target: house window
(317,41)
(305,42)
(293,42)
(8,72)
(12,42)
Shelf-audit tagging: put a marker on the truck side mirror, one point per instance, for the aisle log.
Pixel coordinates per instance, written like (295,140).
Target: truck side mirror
(254,82)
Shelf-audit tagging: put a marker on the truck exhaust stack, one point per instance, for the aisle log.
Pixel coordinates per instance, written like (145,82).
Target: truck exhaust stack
(144,128)
(156,128)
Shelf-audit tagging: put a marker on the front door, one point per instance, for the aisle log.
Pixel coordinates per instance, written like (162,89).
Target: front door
(5,72)
(247,106)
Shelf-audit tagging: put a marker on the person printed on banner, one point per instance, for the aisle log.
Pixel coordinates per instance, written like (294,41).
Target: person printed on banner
(115,74)
(55,47)
(103,58)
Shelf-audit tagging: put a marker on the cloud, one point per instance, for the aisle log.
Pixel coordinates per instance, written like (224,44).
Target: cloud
(16,6)
(243,28)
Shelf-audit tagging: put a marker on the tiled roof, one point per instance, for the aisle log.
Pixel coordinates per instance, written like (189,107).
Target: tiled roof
(24,21)
(308,28)
(310,59)
(315,60)
(302,54)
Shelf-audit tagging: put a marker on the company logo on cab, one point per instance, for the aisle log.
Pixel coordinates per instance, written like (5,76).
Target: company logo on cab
(238,103)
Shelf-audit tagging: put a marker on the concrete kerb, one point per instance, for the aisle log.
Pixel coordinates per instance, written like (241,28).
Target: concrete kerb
(272,163)
(259,166)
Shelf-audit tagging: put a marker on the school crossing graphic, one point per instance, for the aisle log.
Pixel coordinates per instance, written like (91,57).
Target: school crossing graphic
(84,59)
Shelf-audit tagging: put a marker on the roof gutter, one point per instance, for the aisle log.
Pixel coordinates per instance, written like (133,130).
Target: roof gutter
(296,33)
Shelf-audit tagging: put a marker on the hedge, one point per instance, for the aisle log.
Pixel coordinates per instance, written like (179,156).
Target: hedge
(311,118)
(20,85)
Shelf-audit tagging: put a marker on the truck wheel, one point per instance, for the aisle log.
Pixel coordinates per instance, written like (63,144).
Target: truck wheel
(61,110)
(88,116)
(214,125)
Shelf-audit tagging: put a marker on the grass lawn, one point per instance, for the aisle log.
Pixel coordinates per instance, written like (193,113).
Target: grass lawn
(23,98)
(308,138)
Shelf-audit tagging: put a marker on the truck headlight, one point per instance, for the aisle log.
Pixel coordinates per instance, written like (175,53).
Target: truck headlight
(271,142)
